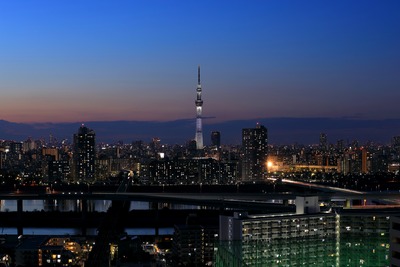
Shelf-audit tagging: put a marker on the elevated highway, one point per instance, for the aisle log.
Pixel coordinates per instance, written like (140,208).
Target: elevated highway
(202,199)
(230,200)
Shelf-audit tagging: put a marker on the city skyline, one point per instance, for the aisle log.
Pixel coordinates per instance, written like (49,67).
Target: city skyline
(282,131)
(105,61)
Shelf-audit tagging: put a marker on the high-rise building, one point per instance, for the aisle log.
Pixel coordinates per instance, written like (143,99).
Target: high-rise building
(28,145)
(310,237)
(255,152)
(51,151)
(58,169)
(84,154)
(193,245)
(340,145)
(304,238)
(16,147)
(216,139)
(364,161)
(199,108)
(193,242)
(364,236)
(323,141)
(394,241)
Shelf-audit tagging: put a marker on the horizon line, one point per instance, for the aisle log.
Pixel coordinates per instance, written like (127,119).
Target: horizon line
(208,118)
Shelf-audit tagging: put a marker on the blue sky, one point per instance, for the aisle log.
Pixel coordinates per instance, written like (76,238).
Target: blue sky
(68,61)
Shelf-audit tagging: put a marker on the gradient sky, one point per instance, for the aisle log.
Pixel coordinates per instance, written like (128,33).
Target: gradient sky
(68,61)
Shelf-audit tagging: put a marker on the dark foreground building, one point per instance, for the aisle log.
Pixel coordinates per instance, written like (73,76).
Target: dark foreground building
(350,237)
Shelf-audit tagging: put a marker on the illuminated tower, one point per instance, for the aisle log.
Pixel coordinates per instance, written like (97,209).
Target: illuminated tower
(199,107)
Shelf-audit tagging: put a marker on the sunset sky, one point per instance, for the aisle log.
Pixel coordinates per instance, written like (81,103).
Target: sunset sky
(68,61)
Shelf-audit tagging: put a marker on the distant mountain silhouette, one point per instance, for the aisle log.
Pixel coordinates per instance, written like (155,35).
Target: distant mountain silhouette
(280,130)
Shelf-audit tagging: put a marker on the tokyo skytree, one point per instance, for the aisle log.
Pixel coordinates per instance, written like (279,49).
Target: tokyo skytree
(199,107)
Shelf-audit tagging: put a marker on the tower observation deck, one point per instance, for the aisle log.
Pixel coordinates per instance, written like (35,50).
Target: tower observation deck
(199,108)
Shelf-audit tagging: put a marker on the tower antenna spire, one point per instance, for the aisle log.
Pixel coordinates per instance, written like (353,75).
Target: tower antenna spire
(198,74)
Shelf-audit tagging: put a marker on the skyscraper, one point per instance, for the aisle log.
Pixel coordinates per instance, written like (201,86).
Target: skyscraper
(199,107)
(255,152)
(323,141)
(304,238)
(309,237)
(84,153)
(216,139)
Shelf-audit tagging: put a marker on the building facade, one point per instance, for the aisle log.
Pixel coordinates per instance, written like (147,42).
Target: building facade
(193,245)
(301,239)
(255,153)
(347,237)
(395,241)
(84,154)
